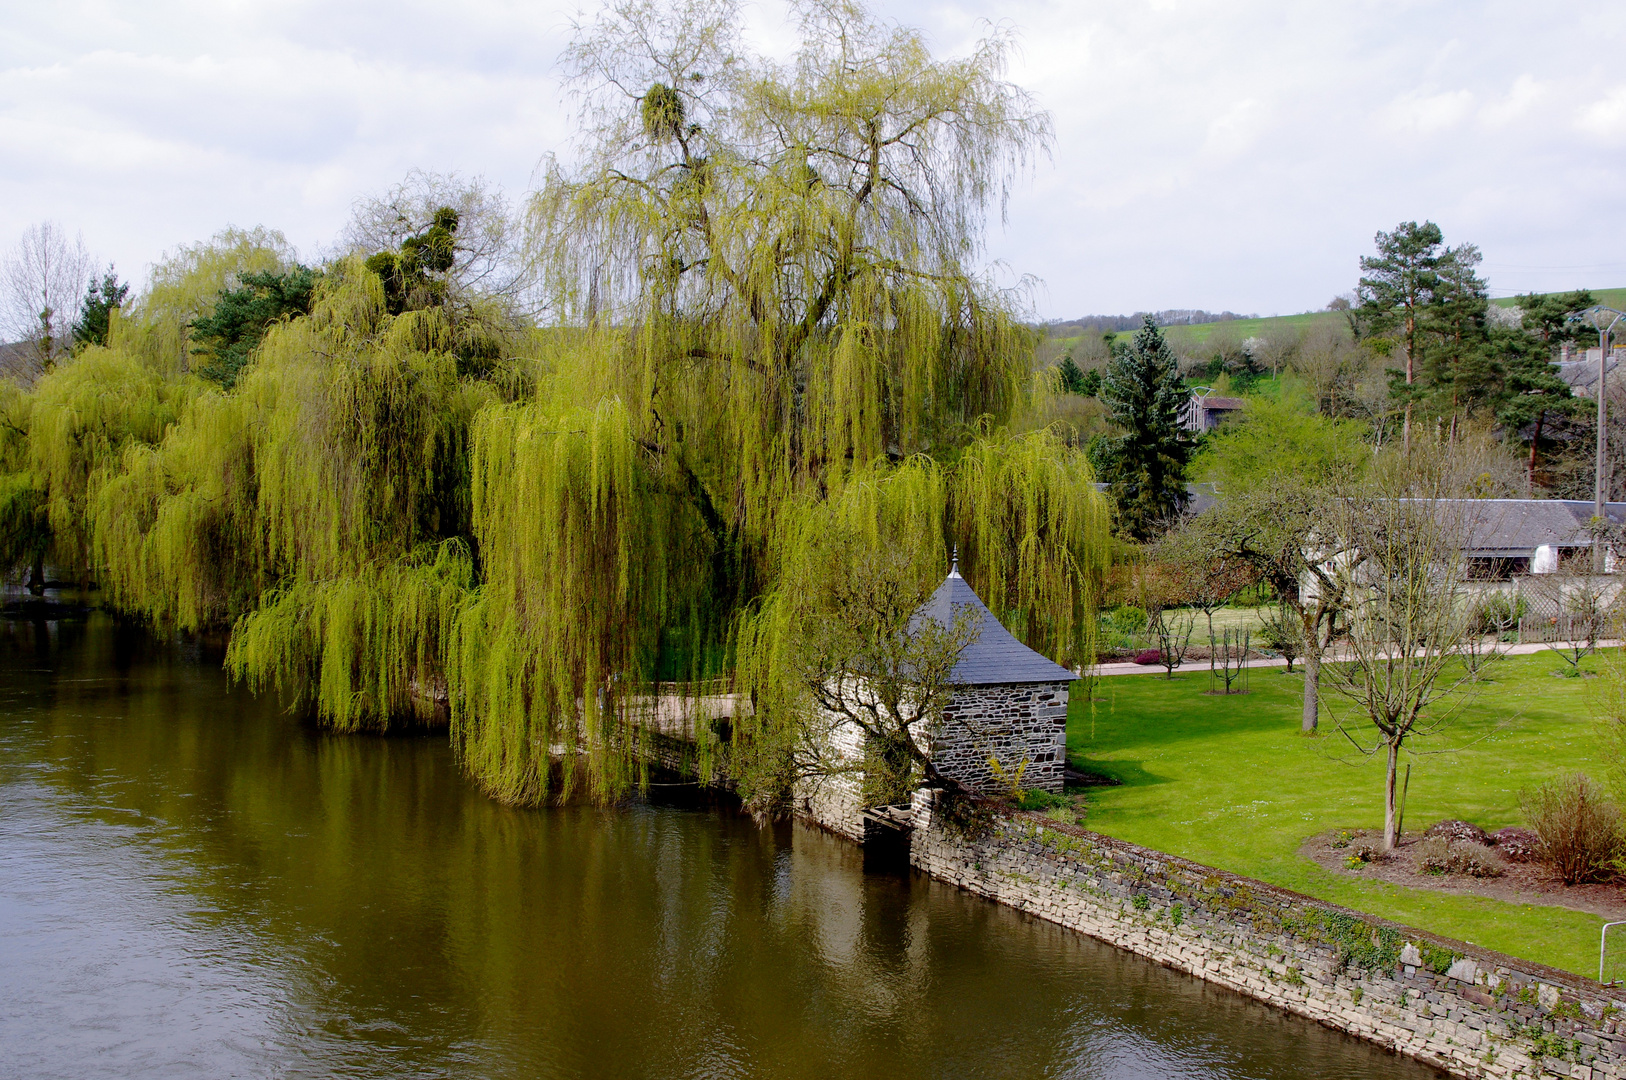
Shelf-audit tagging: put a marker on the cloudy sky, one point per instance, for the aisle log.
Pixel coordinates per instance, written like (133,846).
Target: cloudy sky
(1236,155)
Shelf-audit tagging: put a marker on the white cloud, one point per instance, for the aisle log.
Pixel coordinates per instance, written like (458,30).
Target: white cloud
(1606,117)
(1237,155)
(1427,113)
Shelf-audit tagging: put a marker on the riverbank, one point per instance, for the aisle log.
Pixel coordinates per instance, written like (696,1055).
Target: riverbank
(1449,1004)
(194,884)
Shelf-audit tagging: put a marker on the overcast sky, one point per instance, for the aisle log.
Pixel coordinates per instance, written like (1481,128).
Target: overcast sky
(1214,155)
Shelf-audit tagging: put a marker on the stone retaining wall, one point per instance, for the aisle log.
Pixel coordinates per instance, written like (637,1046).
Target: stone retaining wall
(1467,1010)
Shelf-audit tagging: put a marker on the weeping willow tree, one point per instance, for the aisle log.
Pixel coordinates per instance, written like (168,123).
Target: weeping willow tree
(321,508)
(769,322)
(768,275)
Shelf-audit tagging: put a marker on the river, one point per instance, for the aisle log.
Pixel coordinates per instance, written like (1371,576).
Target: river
(195,884)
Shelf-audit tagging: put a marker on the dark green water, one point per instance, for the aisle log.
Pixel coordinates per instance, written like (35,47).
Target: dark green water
(193,884)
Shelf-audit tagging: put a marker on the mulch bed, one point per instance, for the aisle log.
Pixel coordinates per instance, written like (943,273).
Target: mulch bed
(1521,883)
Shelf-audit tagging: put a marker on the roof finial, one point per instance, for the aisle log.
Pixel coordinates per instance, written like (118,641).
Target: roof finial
(954,570)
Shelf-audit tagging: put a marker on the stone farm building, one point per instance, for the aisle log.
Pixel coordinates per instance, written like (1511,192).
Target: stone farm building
(1008,703)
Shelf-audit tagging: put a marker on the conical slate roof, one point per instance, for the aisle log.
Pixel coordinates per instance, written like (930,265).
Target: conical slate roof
(996,656)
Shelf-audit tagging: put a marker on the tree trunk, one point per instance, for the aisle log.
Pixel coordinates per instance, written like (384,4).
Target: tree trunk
(1530,473)
(1391,834)
(36,576)
(1310,621)
(1312,689)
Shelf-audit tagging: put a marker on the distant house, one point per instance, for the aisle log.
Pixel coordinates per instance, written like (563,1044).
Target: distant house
(1581,371)
(1509,537)
(1207,410)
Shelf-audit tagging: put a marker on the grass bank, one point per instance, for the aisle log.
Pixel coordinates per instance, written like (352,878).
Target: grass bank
(1230,782)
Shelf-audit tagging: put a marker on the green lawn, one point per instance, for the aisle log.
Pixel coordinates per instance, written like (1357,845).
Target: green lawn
(1230,782)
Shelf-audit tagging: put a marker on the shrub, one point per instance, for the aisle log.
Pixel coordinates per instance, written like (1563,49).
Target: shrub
(1126,620)
(1517,845)
(1149,657)
(1496,614)
(1440,855)
(1362,852)
(1465,831)
(1066,815)
(1037,799)
(1579,829)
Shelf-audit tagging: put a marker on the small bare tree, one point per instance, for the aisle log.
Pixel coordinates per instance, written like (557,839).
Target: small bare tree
(1577,609)
(1281,632)
(1173,628)
(1408,623)
(42,283)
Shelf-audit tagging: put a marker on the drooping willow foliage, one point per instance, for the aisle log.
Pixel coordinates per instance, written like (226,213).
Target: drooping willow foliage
(324,505)
(768,325)
(772,267)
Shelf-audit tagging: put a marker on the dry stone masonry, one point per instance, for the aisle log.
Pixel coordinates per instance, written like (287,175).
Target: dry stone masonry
(1020,725)
(1467,1010)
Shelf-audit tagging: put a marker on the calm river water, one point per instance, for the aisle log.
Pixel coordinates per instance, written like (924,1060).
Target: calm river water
(193,884)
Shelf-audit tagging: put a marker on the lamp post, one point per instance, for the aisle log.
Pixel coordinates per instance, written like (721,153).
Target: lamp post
(1603,319)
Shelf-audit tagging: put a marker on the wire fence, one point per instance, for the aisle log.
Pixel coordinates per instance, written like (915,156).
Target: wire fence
(1612,953)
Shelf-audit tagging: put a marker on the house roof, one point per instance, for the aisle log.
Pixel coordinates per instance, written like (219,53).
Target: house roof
(1508,528)
(1583,374)
(1215,403)
(995,656)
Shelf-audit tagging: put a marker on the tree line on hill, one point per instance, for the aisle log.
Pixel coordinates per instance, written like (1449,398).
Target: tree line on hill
(1421,353)
(1118,323)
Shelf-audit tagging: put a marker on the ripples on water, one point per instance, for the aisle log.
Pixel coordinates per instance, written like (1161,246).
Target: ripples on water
(193,884)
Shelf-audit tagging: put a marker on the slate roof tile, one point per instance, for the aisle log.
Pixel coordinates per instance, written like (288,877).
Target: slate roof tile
(996,656)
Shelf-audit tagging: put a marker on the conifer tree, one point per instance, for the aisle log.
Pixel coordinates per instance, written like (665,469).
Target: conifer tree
(1146,465)
(1395,287)
(102,298)
(1072,379)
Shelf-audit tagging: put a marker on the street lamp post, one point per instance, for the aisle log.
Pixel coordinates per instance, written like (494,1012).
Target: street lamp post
(1603,319)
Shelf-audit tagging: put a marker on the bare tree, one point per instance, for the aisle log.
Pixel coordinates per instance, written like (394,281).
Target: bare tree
(41,285)
(487,261)
(1282,633)
(1329,360)
(1577,609)
(1173,627)
(1403,669)
(1280,531)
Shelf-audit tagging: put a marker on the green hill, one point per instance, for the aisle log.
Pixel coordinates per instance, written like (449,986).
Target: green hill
(1262,327)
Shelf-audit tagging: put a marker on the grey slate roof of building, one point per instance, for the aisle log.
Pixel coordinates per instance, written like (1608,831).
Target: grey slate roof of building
(1506,528)
(1582,375)
(996,656)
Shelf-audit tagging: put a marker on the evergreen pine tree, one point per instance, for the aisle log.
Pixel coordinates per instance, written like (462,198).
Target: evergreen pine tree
(225,337)
(1072,378)
(96,312)
(1146,465)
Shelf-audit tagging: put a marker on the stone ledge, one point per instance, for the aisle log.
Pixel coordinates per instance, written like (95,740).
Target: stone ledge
(1471,1011)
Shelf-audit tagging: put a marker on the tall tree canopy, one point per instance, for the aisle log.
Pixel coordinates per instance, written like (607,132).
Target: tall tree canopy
(770,274)
(767,316)
(1147,398)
